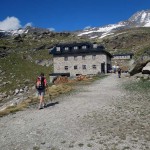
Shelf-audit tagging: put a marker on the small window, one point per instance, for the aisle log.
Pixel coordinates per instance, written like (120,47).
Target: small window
(58,49)
(83,66)
(94,66)
(75,67)
(94,45)
(75,47)
(83,47)
(66,67)
(93,57)
(75,57)
(83,57)
(65,58)
(66,48)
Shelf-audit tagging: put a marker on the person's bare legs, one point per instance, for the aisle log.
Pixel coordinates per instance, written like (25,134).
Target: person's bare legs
(42,102)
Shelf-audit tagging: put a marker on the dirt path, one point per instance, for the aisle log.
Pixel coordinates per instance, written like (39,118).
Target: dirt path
(85,120)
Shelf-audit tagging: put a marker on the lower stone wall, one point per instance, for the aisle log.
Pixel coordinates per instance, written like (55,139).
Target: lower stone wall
(59,64)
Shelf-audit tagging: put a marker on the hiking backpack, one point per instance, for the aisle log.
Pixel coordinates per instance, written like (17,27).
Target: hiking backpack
(40,85)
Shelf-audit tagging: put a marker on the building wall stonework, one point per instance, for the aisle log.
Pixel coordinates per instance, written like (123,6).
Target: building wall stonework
(89,61)
(122,57)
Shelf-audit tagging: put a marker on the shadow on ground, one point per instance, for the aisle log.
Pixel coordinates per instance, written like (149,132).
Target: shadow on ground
(51,104)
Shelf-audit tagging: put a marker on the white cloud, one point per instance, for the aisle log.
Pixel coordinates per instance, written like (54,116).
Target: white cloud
(28,24)
(51,29)
(10,23)
(88,27)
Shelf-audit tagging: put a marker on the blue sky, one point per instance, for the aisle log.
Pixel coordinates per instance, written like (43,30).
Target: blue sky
(67,15)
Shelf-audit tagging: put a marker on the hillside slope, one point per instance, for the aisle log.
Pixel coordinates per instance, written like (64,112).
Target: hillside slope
(135,40)
(24,56)
(21,54)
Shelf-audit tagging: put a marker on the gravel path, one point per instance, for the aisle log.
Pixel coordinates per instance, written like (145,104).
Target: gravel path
(94,118)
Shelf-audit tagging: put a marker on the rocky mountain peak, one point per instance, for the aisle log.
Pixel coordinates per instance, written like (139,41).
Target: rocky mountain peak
(141,18)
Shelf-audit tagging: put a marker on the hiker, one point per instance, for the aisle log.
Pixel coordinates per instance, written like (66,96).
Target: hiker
(119,72)
(41,84)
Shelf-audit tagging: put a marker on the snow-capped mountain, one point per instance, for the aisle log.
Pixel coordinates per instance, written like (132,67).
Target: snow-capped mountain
(28,29)
(139,19)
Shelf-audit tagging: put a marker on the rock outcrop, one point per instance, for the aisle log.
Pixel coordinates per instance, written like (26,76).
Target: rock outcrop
(146,69)
(138,67)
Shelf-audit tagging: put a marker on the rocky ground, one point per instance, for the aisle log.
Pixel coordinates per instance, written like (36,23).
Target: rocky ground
(100,116)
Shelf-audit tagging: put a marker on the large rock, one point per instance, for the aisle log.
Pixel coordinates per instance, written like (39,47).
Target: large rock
(138,68)
(146,69)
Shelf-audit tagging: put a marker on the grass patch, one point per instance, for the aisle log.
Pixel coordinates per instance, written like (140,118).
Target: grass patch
(139,86)
(17,70)
(89,145)
(54,91)
(81,144)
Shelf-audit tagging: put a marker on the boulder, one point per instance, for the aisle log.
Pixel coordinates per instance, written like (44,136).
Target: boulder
(146,69)
(138,68)
(16,91)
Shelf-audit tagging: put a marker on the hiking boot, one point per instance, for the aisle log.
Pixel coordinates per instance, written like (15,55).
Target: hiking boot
(41,107)
(45,105)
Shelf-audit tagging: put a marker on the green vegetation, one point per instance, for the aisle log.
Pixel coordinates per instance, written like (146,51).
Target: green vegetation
(135,40)
(81,144)
(139,86)
(20,72)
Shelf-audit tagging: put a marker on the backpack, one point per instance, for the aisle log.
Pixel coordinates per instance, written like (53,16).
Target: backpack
(40,83)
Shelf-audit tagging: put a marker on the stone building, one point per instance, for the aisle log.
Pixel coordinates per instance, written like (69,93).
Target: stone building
(80,58)
(123,56)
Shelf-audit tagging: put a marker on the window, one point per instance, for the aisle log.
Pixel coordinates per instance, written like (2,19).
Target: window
(66,48)
(83,47)
(65,58)
(66,67)
(94,45)
(93,57)
(83,66)
(75,67)
(75,57)
(75,47)
(94,66)
(58,49)
(83,57)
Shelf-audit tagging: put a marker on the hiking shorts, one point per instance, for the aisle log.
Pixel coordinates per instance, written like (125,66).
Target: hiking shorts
(41,92)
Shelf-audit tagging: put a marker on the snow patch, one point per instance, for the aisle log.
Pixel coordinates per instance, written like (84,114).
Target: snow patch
(147,24)
(143,17)
(93,37)
(105,34)
(102,29)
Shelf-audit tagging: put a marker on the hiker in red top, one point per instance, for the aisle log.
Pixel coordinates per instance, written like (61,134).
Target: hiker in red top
(41,84)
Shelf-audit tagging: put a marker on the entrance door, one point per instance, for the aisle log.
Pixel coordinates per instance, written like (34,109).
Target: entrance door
(102,67)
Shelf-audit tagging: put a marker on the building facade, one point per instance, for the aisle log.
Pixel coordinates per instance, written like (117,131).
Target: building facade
(81,58)
(123,56)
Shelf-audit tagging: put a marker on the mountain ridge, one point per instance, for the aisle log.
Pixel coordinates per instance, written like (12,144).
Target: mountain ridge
(139,19)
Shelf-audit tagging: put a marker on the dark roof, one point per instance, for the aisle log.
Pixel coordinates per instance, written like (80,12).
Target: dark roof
(62,45)
(90,49)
